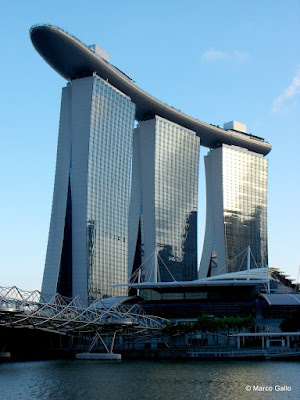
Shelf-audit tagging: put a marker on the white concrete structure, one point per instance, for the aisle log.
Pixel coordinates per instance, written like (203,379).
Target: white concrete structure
(99,356)
(100,52)
(235,126)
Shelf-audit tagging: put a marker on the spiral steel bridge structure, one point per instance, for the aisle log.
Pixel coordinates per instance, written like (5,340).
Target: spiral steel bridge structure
(27,309)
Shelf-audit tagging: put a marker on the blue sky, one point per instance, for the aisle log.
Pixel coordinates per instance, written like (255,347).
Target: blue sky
(217,61)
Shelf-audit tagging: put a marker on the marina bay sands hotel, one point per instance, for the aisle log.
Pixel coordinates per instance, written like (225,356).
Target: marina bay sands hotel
(126,184)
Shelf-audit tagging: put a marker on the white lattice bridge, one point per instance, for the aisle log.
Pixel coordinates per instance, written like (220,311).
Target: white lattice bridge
(27,309)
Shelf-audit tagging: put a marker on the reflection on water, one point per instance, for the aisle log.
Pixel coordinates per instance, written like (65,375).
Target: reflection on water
(139,380)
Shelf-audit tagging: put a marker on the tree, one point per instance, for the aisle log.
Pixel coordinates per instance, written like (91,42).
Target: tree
(239,324)
(203,323)
(248,322)
(180,328)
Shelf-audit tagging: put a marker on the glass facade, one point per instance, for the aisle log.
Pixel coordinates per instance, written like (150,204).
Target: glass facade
(175,200)
(244,181)
(108,191)
(89,243)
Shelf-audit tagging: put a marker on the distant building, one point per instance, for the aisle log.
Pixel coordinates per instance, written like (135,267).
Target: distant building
(236,212)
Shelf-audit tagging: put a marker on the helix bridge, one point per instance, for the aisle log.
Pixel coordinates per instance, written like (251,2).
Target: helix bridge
(63,315)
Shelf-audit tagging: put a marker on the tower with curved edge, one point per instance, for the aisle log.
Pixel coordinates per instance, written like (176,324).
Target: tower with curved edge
(236,211)
(88,237)
(164,195)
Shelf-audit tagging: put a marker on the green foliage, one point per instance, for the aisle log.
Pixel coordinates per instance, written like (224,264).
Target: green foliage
(180,328)
(206,323)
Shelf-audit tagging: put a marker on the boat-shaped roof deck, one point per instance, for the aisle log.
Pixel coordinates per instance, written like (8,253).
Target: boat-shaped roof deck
(72,60)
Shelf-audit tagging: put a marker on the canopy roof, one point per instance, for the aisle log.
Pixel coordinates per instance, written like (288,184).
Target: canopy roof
(282,299)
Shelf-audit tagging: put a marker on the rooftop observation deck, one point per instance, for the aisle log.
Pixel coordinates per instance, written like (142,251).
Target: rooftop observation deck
(73,60)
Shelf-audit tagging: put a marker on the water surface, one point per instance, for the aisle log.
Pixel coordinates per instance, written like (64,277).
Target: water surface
(139,380)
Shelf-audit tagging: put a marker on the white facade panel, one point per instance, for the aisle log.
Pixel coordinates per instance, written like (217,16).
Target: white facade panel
(81,110)
(59,201)
(135,201)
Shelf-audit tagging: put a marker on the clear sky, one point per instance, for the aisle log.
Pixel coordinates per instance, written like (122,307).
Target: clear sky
(215,60)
